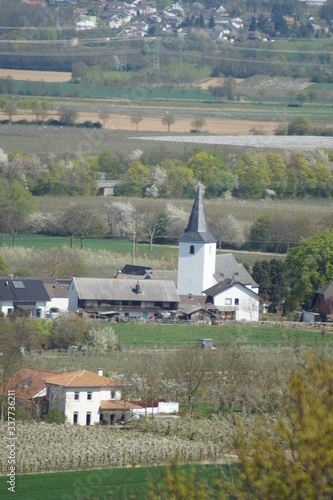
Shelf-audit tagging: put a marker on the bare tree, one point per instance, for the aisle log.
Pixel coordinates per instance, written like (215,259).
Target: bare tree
(80,220)
(198,123)
(229,367)
(104,116)
(136,119)
(168,119)
(10,110)
(152,222)
(145,381)
(188,368)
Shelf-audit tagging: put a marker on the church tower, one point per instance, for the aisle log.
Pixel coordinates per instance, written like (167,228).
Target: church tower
(196,253)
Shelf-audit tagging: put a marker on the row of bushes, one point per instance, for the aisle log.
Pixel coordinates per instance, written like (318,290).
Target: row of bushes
(52,122)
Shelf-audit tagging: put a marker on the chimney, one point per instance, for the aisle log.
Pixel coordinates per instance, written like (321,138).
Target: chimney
(138,288)
(100,372)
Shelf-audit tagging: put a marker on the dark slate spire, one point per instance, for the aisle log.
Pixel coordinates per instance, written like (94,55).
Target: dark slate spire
(197,230)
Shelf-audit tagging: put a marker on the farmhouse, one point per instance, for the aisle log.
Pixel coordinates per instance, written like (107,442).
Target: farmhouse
(87,398)
(127,298)
(19,295)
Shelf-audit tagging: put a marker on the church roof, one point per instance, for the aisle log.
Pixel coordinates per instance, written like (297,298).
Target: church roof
(197,230)
(227,267)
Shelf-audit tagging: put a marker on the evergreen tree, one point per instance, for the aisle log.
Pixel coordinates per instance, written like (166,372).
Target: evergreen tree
(253,25)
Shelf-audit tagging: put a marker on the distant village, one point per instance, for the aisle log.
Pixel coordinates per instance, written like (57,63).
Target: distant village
(141,18)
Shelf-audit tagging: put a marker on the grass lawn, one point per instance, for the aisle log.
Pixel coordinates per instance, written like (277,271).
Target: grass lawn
(106,483)
(167,336)
(117,246)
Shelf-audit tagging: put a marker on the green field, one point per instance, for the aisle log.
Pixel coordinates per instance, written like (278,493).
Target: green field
(157,335)
(119,484)
(46,242)
(81,90)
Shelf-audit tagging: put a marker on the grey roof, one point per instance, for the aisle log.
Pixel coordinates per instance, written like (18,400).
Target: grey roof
(326,290)
(224,285)
(160,274)
(114,289)
(227,267)
(190,309)
(134,270)
(197,230)
(150,274)
(23,290)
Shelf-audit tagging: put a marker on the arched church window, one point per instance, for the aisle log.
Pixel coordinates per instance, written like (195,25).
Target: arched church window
(192,249)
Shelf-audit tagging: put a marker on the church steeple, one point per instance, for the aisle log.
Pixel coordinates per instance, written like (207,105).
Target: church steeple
(196,252)
(197,230)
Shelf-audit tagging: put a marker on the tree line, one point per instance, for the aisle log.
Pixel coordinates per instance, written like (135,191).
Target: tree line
(249,175)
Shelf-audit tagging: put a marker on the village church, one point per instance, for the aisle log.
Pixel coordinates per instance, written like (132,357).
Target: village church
(220,280)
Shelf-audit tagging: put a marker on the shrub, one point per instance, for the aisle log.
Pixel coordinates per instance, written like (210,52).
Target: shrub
(55,416)
(300,125)
(282,129)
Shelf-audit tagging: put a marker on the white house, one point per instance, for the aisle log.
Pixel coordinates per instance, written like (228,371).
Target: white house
(23,295)
(87,398)
(234,300)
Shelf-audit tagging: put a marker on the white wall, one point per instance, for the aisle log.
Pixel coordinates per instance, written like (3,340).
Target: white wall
(62,398)
(248,307)
(60,302)
(196,271)
(7,305)
(163,407)
(72,298)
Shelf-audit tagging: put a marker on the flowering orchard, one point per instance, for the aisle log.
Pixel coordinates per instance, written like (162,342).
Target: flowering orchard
(52,447)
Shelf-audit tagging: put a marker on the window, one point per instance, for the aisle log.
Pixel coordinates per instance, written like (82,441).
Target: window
(88,418)
(236,302)
(89,396)
(192,249)
(228,302)
(75,417)
(113,394)
(76,396)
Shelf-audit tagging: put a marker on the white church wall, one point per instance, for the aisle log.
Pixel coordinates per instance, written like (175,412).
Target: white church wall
(196,270)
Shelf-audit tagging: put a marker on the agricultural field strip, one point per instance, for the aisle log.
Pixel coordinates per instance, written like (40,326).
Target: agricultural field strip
(220,112)
(308,143)
(50,447)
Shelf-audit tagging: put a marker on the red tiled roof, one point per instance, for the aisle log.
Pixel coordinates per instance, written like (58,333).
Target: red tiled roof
(27,383)
(119,405)
(82,378)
